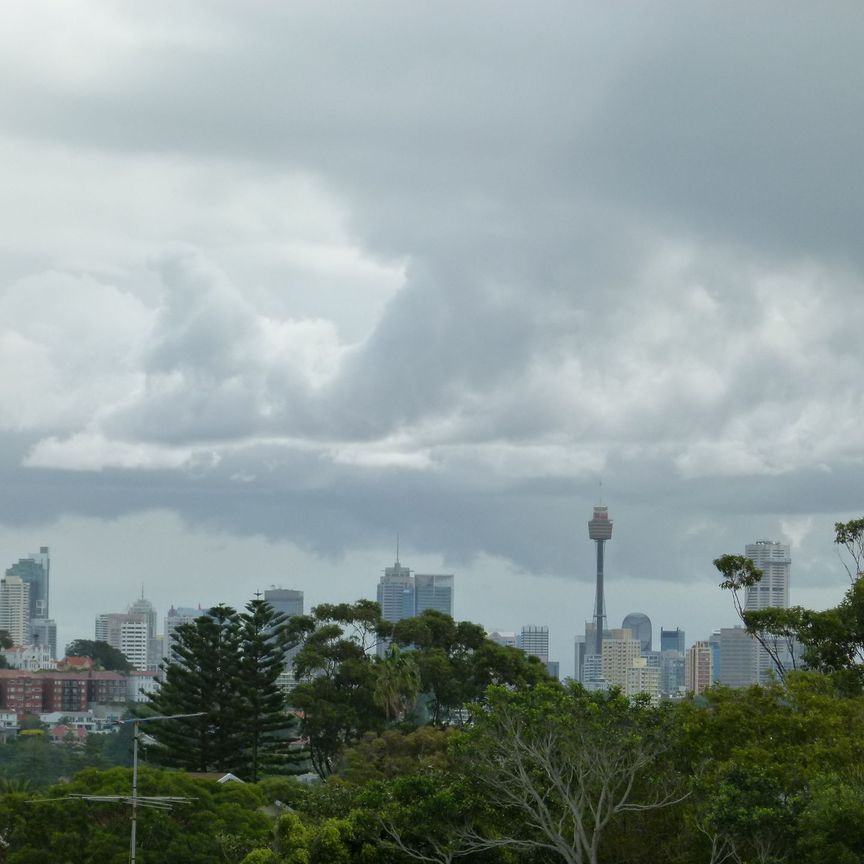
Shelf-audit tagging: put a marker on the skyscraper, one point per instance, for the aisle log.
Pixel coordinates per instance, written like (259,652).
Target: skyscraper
(639,624)
(176,616)
(43,632)
(15,608)
(396,593)
(600,530)
(433,591)
(772,590)
(285,601)
(35,570)
(534,641)
(737,657)
(672,640)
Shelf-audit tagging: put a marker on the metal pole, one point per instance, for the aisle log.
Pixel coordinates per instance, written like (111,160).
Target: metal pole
(132,840)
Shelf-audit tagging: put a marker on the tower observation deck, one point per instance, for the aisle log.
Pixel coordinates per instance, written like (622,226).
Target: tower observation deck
(600,530)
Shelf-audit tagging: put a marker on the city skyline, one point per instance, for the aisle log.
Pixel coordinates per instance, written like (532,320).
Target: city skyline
(772,555)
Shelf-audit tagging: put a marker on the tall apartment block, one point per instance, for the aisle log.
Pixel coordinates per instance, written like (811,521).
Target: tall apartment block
(772,590)
(131,632)
(698,667)
(15,608)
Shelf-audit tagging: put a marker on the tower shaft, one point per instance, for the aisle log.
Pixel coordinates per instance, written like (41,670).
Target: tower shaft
(599,607)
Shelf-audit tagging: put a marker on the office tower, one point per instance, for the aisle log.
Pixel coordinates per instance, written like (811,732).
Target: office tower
(639,624)
(579,658)
(772,590)
(600,530)
(534,641)
(620,649)
(35,570)
(289,602)
(714,642)
(673,680)
(433,591)
(506,638)
(176,616)
(553,669)
(143,609)
(396,593)
(672,640)
(698,667)
(285,601)
(15,609)
(43,632)
(737,657)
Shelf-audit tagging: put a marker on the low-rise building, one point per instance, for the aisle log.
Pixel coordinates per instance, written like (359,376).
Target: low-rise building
(28,692)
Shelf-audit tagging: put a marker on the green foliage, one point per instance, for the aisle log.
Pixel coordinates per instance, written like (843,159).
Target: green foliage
(226,669)
(397,683)
(102,654)
(457,663)
(336,693)
(396,753)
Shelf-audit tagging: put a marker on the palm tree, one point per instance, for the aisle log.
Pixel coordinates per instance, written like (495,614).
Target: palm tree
(397,683)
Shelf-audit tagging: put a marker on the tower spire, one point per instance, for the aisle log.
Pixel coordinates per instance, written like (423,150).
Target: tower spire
(397,548)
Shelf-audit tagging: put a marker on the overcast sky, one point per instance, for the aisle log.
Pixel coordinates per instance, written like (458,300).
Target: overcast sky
(280,280)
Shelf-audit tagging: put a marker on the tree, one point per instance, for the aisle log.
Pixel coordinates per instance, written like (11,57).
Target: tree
(850,537)
(397,683)
(457,663)
(262,644)
(336,693)
(203,679)
(561,765)
(770,627)
(101,653)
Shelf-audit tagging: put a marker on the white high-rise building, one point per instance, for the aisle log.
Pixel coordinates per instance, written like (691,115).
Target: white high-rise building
(534,641)
(135,643)
(772,590)
(15,609)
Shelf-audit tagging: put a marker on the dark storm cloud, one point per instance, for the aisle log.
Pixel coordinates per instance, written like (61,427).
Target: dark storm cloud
(629,246)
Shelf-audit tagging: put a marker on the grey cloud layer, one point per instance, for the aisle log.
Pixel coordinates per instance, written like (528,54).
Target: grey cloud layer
(627,245)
